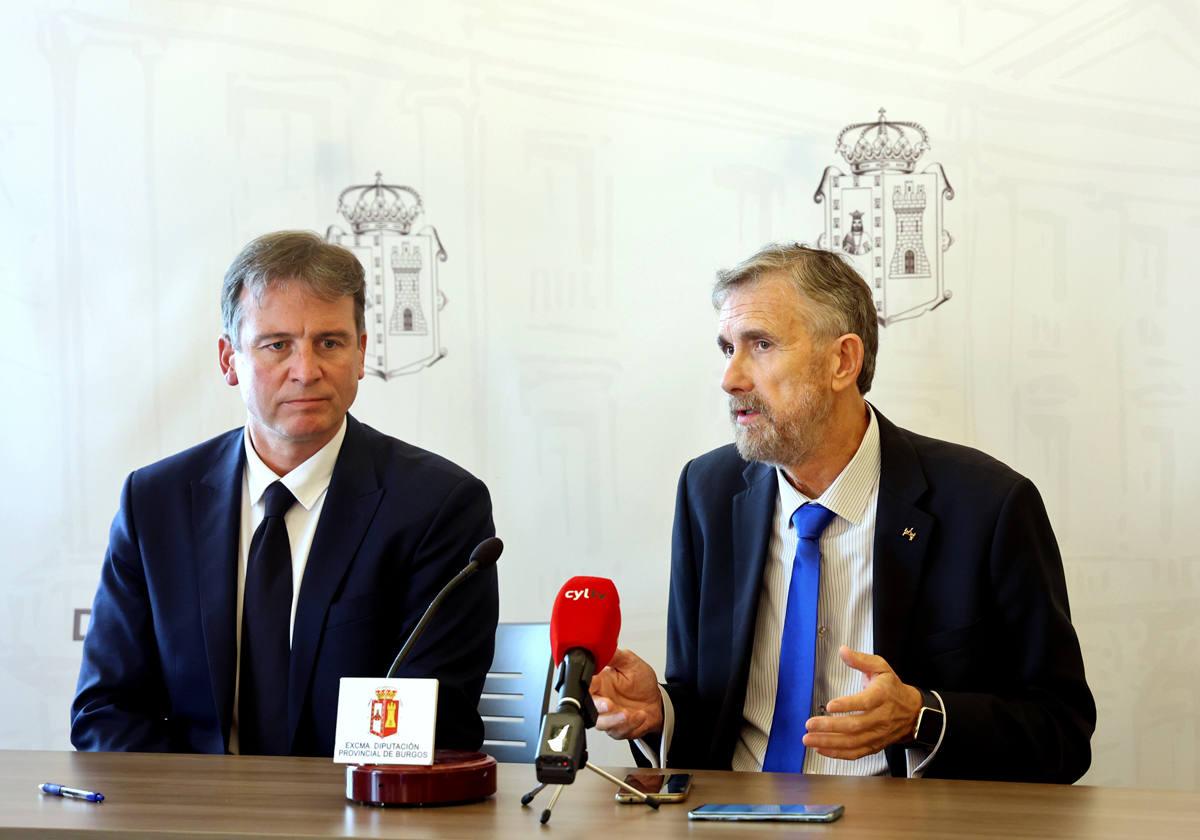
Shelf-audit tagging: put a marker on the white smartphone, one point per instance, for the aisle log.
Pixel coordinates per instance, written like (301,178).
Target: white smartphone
(767,813)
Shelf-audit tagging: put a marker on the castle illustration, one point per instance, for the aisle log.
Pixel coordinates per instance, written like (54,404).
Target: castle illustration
(909,259)
(407,317)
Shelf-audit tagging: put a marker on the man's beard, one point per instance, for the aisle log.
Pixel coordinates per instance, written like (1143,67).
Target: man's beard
(786,438)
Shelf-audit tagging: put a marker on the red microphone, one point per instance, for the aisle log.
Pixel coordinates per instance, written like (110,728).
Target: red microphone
(584,627)
(587,615)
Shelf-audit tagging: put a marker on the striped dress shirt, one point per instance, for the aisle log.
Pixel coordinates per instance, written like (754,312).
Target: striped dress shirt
(844,610)
(845,616)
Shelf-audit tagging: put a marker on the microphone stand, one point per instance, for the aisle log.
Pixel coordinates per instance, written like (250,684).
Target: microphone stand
(574,677)
(641,797)
(455,775)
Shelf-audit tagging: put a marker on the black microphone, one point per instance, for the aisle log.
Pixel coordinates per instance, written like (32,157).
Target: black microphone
(562,743)
(485,554)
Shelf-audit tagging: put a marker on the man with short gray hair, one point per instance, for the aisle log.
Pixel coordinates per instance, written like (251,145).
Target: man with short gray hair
(847,596)
(245,576)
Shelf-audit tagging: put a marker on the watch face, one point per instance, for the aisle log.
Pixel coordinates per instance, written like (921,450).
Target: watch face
(929,726)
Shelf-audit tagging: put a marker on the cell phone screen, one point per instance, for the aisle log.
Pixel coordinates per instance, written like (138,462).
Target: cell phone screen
(678,782)
(647,783)
(653,783)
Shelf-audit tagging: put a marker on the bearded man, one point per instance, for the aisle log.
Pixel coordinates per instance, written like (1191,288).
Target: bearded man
(847,596)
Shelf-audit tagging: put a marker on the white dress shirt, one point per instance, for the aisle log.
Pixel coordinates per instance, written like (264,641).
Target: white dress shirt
(309,483)
(845,614)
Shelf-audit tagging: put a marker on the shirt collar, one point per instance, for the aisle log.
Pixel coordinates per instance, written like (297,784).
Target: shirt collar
(307,481)
(852,490)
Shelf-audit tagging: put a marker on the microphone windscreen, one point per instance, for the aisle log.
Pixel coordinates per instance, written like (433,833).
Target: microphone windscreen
(587,614)
(487,552)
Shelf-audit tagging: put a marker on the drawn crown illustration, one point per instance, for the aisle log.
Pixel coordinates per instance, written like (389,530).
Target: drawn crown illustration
(380,206)
(882,145)
(385,693)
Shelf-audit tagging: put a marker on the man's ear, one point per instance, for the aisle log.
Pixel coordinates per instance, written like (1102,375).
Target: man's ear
(362,355)
(225,357)
(848,356)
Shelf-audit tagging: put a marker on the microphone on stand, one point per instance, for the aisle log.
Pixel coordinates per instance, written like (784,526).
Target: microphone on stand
(454,776)
(584,627)
(485,554)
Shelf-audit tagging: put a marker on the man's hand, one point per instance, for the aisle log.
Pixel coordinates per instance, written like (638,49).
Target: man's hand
(885,712)
(627,697)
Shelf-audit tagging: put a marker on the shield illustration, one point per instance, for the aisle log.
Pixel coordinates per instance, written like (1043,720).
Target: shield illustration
(887,218)
(385,713)
(403,297)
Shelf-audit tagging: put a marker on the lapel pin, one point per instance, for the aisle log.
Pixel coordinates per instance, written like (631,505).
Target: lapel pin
(910,533)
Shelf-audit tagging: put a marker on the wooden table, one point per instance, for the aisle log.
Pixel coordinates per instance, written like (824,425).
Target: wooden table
(175,796)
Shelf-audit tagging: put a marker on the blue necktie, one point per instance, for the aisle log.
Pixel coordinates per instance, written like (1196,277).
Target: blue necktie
(266,622)
(797,653)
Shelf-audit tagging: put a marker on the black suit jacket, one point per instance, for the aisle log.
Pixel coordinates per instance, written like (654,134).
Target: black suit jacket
(160,655)
(975,607)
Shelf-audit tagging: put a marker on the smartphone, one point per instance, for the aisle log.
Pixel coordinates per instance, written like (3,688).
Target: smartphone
(767,813)
(672,788)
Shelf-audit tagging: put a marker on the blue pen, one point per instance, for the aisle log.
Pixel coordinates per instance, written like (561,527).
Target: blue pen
(70,793)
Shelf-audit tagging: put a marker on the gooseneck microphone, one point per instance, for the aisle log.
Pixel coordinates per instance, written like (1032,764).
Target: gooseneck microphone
(485,554)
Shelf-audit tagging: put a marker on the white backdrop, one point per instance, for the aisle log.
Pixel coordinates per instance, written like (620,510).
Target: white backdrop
(589,166)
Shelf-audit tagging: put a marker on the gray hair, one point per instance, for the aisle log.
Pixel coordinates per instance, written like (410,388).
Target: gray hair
(291,256)
(840,299)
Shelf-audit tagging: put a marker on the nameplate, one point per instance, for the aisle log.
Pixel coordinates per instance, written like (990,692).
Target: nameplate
(385,721)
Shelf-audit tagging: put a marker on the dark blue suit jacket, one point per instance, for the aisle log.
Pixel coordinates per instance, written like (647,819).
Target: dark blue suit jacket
(974,608)
(397,524)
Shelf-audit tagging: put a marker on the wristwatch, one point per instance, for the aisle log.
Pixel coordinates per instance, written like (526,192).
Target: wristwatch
(930,720)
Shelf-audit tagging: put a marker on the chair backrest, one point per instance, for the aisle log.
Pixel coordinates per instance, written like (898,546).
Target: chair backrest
(515,692)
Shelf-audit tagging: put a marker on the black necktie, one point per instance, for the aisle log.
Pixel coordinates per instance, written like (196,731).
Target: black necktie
(266,647)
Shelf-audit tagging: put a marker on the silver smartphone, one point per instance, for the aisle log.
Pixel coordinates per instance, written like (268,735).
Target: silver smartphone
(767,813)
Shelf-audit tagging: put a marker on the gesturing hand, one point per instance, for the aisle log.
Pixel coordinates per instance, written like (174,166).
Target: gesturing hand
(885,712)
(627,697)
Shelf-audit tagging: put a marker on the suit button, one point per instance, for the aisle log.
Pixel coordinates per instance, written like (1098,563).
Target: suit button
(822,630)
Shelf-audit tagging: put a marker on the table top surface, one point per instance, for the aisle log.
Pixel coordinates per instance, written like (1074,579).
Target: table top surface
(149,795)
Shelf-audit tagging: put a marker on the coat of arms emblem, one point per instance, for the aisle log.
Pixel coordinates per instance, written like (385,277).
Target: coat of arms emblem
(385,712)
(403,298)
(886,217)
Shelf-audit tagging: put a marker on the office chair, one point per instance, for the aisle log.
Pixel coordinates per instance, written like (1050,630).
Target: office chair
(516,691)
